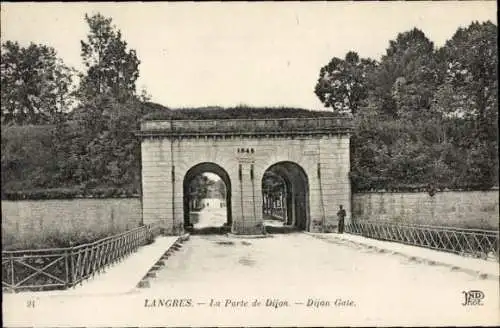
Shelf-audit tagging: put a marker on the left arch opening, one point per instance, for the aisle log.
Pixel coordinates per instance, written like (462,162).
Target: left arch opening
(207,199)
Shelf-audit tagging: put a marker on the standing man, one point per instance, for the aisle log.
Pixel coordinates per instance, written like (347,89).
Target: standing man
(341,216)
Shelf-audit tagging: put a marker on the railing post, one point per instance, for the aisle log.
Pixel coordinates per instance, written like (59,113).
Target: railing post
(12,277)
(72,268)
(66,268)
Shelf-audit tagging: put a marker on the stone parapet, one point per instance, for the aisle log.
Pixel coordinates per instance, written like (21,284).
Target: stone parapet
(239,127)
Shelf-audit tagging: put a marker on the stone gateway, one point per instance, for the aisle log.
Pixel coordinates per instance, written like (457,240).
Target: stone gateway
(310,154)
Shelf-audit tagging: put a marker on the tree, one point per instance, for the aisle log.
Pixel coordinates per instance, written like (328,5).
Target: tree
(343,83)
(442,122)
(220,189)
(98,147)
(199,186)
(111,68)
(471,64)
(36,85)
(470,92)
(408,75)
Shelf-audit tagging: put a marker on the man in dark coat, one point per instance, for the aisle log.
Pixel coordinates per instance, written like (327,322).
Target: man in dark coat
(341,216)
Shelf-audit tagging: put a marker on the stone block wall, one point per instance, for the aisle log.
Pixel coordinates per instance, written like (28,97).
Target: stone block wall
(28,219)
(464,209)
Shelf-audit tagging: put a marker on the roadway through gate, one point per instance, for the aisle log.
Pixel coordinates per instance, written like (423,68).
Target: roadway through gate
(283,260)
(298,267)
(299,278)
(301,260)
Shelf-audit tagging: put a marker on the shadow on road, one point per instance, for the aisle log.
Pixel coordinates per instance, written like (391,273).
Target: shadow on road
(282,229)
(222,230)
(209,230)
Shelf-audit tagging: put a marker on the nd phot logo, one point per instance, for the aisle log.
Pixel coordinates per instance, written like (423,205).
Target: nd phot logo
(473,297)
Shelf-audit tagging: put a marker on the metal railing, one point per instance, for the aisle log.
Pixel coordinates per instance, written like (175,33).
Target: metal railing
(61,268)
(467,242)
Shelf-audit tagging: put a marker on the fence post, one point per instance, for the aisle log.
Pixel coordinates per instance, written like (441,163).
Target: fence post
(12,278)
(66,268)
(72,268)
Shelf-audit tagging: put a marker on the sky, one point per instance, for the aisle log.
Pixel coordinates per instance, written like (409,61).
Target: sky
(226,54)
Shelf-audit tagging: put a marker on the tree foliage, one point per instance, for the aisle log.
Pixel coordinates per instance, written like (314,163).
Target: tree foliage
(343,83)
(111,68)
(435,118)
(408,75)
(98,146)
(471,61)
(203,187)
(95,146)
(36,85)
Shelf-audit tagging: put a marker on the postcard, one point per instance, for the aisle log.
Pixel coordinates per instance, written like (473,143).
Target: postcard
(239,164)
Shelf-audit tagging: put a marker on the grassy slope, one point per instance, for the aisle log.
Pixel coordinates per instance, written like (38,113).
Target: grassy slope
(26,155)
(158,112)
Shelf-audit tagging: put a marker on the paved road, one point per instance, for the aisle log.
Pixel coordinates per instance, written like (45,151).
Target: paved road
(216,217)
(299,267)
(301,260)
(211,217)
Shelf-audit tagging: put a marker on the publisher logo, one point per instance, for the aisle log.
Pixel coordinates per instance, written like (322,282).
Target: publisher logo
(473,297)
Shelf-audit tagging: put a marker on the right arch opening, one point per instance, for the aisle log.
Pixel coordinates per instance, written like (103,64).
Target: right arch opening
(285,195)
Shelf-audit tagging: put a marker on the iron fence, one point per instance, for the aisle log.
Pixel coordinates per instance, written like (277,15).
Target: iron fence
(61,268)
(467,242)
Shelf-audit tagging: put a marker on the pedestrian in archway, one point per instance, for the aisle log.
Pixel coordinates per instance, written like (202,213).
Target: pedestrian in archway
(341,216)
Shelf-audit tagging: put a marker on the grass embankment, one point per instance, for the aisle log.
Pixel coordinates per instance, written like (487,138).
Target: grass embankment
(157,112)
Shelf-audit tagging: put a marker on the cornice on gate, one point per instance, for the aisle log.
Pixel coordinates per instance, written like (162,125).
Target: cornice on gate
(247,127)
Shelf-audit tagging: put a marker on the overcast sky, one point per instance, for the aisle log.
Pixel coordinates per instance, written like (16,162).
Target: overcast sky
(196,54)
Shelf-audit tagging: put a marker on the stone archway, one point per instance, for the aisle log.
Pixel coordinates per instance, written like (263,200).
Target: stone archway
(311,154)
(206,167)
(296,193)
